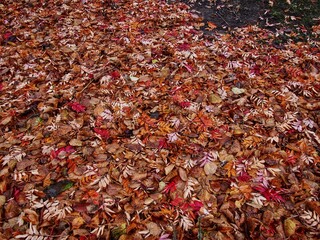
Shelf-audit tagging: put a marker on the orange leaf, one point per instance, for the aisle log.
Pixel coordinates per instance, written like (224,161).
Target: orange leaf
(230,169)
(211,26)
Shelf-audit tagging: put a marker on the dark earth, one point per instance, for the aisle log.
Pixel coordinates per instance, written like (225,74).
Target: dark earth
(290,16)
(229,13)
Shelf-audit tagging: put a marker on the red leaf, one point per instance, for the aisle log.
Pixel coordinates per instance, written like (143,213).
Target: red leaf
(115,74)
(273,59)
(7,35)
(185,104)
(196,205)
(62,152)
(211,26)
(77,107)
(216,134)
(225,128)
(244,177)
(185,206)
(16,193)
(176,202)
(91,236)
(69,149)
(269,194)
(99,121)
(171,187)
(81,207)
(291,158)
(102,132)
(256,69)
(184,47)
(291,131)
(162,143)
(1,86)
(269,230)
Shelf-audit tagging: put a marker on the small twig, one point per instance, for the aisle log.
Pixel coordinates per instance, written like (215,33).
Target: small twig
(223,19)
(95,78)
(88,84)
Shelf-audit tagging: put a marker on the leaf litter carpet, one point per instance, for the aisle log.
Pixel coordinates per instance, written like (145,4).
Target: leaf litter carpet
(121,121)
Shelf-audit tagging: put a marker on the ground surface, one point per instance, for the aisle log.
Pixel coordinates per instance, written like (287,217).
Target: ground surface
(283,17)
(230,14)
(123,121)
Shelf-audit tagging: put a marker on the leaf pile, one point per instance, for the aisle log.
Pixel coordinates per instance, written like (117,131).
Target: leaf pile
(121,121)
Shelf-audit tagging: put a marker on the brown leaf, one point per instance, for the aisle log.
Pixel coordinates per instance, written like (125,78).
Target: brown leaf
(210,168)
(32,216)
(6,120)
(77,222)
(169,168)
(139,176)
(75,142)
(154,229)
(25,163)
(2,200)
(183,174)
(12,209)
(3,186)
(95,221)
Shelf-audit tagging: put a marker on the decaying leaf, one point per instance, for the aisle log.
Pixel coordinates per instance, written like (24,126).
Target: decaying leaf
(56,188)
(138,120)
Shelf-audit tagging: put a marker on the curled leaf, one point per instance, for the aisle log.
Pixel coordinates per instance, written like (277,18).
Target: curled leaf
(55,189)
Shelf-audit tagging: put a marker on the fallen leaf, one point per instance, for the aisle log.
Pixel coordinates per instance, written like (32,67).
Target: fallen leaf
(2,200)
(238,91)
(289,227)
(214,98)
(75,142)
(77,107)
(56,188)
(77,222)
(210,168)
(154,229)
(183,174)
(6,120)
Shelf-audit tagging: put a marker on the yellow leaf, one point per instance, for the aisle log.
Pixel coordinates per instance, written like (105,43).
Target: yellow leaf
(214,98)
(77,222)
(164,127)
(2,200)
(289,227)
